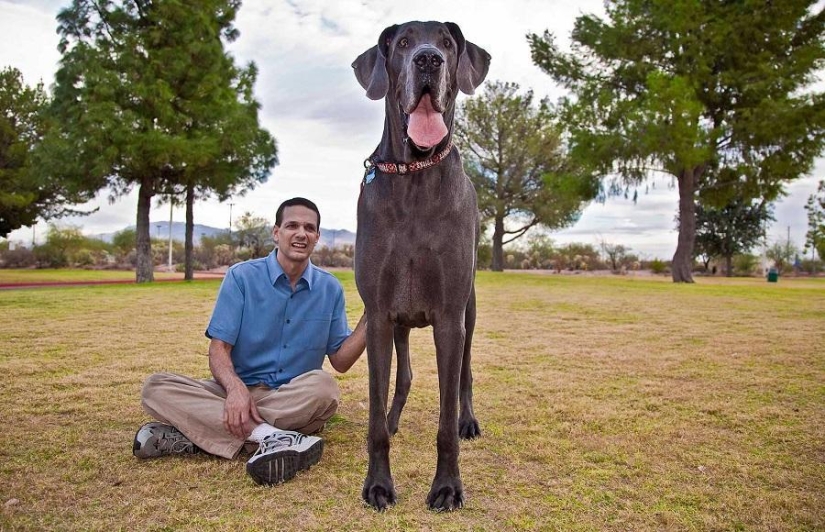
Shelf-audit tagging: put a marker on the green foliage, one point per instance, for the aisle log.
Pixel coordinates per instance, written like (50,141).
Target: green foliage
(124,242)
(67,246)
(745,264)
(146,96)
(815,236)
(514,155)
(732,229)
(25,194)
(658,266)
(709,92)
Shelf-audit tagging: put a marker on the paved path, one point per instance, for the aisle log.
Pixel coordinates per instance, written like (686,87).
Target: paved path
(199,276)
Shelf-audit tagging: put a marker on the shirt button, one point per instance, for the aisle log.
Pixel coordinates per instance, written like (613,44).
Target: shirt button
(288,321)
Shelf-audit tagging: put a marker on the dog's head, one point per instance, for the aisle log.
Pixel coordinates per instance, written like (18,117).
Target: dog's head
(421,66)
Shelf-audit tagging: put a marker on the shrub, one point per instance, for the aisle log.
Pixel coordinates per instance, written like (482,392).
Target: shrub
(745,264)
(19,257)
(658,266)
(485,256)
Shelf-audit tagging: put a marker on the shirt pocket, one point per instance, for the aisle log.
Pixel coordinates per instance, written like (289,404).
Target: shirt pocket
(313,333)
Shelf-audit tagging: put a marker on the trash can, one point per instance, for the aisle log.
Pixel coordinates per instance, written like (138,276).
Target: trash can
(773,275)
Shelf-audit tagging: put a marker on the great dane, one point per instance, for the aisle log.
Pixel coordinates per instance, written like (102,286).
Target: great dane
(416,241)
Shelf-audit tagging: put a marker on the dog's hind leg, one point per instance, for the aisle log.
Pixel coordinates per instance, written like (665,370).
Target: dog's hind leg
(467,423)
(403,376)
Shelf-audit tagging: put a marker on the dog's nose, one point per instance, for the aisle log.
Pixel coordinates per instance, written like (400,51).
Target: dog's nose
(428,60)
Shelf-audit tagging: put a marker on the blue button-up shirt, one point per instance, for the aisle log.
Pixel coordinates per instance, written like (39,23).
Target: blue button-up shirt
(278,334)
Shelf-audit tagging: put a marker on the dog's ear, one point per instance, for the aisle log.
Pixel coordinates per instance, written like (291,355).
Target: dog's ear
(371,66)
(473,61)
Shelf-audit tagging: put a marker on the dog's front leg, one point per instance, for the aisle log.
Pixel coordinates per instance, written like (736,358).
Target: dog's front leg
(379,491)
(447,491)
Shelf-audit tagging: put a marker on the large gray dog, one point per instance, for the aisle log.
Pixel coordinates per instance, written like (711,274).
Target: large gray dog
(416,241)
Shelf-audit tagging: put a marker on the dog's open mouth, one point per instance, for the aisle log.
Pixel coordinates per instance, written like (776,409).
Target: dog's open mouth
(425,126)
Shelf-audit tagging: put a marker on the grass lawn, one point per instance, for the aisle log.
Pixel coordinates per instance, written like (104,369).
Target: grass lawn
(606,403)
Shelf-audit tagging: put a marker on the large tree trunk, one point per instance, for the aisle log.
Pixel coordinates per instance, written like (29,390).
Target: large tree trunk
(144,271)
(498,246)
(729,265)
(189,268)
(682,267)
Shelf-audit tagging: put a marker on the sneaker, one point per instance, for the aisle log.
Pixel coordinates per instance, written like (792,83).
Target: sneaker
(282,454)
(158,439)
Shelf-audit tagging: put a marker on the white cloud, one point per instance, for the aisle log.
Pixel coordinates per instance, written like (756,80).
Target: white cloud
(324,124)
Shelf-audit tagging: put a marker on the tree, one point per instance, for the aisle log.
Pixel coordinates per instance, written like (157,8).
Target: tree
(616,254)
(255,234)
(26,195)
(732,229)
(124,242)
(146,97)
(701,90)
(514,155)
(232,168)
(815,236)
(782,254)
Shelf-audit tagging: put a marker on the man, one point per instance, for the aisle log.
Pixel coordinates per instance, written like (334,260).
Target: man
(274,321)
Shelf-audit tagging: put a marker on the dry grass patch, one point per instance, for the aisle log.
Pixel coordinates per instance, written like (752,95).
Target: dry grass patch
(605,404)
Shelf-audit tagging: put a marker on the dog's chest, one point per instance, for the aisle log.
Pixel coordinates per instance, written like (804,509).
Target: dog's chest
(417,212)
(415,247)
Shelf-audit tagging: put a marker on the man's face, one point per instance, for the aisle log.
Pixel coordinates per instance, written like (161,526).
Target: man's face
(298,233)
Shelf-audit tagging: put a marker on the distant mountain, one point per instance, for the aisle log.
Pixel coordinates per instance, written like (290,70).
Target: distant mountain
(161,230)
(329,237)
(332,238)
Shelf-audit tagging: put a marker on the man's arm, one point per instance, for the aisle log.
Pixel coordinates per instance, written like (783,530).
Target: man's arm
(240,415)
(351,349)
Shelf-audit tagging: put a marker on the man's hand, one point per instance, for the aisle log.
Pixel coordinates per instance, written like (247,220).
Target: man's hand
(240,415)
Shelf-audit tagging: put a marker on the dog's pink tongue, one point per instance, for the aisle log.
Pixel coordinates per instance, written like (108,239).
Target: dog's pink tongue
(426,127)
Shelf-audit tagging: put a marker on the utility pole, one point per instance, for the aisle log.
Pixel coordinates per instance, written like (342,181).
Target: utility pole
(231,244)
(171,209)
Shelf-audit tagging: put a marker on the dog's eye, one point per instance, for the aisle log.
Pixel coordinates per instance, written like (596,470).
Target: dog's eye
(403,43)
(448,43)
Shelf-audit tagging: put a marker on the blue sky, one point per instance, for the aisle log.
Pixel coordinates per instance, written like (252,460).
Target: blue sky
(326,127)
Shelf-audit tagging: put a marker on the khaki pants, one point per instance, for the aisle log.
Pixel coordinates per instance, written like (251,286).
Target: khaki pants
(195,407)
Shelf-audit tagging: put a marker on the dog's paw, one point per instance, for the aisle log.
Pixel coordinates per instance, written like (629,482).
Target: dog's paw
(379,496)
(469,429)
(446,496)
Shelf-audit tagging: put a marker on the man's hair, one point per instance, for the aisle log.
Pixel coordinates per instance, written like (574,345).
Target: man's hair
(279,216)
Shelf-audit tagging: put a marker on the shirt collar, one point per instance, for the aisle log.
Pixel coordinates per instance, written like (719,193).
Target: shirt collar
(276,271)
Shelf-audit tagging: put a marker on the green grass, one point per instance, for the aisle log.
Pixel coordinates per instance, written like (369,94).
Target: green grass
(606,403)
